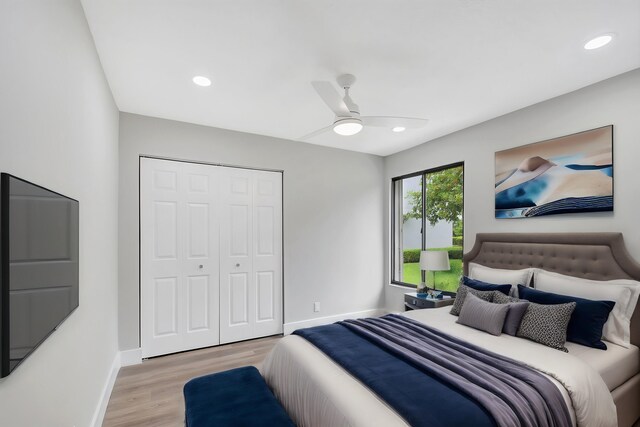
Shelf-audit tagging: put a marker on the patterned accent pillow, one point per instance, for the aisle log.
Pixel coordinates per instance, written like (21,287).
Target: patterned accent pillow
(483,315)
(547,324)
(500,298)
(462,293)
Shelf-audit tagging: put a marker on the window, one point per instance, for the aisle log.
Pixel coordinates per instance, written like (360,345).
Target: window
(428,215)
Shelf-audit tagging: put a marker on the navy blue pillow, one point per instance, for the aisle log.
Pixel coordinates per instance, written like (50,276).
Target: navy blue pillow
(587,320)
(484,286)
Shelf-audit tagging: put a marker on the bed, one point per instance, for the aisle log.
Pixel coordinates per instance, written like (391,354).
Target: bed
(316,391)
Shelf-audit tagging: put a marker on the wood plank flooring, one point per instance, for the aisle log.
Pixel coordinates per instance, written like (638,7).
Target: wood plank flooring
(150,394)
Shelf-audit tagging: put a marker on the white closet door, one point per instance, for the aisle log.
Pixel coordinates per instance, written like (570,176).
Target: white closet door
(179,290)
(250,254)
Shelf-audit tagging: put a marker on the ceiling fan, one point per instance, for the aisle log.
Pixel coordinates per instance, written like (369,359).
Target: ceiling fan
(348,120)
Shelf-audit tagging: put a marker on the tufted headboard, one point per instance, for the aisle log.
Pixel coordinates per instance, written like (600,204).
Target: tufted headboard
(595,256)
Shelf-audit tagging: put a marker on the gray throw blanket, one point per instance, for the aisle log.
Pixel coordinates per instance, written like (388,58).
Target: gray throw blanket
(513,393)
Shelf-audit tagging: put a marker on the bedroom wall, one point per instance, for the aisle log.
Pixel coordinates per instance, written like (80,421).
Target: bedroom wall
(59,128)
(333,214)
(614,101)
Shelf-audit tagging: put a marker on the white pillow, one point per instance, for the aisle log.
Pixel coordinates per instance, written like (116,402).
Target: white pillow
(499,276)
(624,292)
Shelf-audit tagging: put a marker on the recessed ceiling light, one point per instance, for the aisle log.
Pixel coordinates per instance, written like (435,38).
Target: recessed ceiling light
(398,129)
(202,81)
(598,42)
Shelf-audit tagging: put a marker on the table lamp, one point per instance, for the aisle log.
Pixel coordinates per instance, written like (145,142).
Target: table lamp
(434,261)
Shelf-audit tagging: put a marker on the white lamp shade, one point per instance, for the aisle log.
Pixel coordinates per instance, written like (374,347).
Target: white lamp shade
(423,260)
(434,261)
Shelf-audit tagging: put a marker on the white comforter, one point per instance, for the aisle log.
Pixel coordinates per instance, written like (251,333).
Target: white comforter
(317,392)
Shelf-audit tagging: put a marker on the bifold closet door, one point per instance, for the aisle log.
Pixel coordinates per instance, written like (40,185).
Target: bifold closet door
(250,254)
(179,259)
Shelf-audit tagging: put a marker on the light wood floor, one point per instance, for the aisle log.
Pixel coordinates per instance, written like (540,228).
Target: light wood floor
(150,394)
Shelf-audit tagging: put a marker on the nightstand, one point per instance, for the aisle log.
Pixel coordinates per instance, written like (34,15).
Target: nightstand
(413,302)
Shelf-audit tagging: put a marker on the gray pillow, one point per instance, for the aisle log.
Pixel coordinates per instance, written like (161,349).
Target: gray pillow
(517,308)
(462,293)
(483,315)
(547,324)
(514,317)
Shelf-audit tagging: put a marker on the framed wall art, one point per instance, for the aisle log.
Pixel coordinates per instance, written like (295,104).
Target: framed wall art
(570,174)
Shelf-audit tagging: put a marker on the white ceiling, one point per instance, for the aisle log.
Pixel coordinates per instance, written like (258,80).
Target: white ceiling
(455,62)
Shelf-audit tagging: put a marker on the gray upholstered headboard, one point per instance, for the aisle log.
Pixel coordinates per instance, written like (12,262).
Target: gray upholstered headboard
(595,256)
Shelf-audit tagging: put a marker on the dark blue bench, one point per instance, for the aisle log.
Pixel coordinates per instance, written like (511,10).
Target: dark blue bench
(235,398)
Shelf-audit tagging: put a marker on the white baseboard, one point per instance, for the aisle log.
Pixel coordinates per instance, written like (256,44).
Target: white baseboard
(98,415)
(131,357)
(122,358)
(290,327)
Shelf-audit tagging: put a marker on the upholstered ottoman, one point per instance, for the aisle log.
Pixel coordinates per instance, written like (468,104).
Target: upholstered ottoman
(234,398)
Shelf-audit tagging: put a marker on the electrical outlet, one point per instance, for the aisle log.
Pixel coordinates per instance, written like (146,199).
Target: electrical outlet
(316,307)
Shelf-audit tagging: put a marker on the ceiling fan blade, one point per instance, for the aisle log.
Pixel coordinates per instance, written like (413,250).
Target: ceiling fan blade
(390,122)
(317,132)
(332,98)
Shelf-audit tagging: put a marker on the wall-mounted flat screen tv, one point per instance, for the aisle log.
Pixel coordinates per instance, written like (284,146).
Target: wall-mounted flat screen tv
(39,239)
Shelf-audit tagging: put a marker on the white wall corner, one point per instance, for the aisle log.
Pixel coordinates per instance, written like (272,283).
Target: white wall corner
(101,409)
(131,357)
(290,327)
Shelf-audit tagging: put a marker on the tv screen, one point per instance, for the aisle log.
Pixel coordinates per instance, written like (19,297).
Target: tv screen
(38,266)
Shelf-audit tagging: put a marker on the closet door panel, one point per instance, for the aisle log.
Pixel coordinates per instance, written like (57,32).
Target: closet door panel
(179,260)
(251,246)
(236,263)
(200,259)
(267,254)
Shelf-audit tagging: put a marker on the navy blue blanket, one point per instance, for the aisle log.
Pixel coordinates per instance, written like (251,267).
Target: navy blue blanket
(433,379)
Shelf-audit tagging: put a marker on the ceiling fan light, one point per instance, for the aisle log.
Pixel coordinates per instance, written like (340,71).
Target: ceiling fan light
(347,127)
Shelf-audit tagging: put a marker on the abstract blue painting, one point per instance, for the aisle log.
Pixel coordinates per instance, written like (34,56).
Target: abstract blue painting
(569,174)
